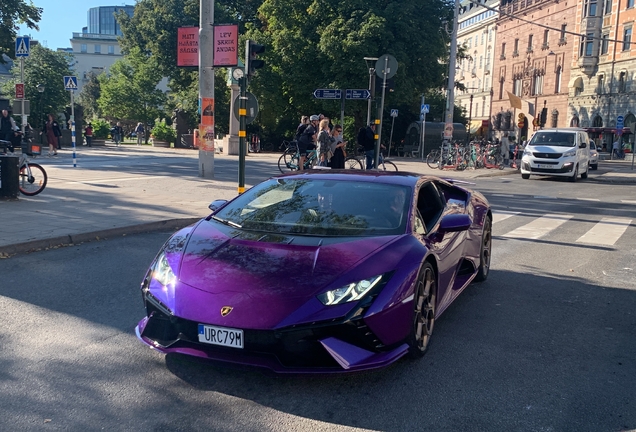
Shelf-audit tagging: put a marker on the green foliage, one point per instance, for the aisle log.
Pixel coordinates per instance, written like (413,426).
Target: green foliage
(14,13)
(101,129)
(163,132)
(129,90)
(89,96)
(46,67)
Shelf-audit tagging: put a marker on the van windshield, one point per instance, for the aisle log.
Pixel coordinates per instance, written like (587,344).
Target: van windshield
(562,139)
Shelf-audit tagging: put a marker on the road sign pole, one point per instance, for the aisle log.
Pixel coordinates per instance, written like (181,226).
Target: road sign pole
(378,144)
(391,137)
(242,133)
(24,117)
(342,110)
(206,87)
(73,127)
(422,117)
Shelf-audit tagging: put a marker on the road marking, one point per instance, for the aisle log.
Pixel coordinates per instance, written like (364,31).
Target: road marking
(606,232)
(504,195)
(112,180)
(539,227)
(544,197)
(628,201)
(588,199)
(502,215)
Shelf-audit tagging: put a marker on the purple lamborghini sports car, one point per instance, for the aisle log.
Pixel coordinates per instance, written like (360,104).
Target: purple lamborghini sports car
(323,271)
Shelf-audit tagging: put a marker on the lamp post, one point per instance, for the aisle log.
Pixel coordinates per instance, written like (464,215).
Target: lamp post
(41,89)
(371,65)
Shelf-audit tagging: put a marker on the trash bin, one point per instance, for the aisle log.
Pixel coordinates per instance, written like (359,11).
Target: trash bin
(9,177)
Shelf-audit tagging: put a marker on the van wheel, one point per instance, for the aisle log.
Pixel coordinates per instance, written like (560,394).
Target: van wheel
(594,167)
(584,175)
(574,178)
(525,176)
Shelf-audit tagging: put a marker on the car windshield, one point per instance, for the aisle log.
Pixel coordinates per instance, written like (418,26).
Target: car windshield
(561,139)
(333,208)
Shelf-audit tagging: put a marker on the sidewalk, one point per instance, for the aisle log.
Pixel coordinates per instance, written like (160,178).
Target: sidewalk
(115,191)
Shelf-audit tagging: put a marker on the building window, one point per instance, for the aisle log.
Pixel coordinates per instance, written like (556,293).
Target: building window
(630,3)
(501,87)
(98,49)
(489,35)
(537,88)
(622,78)
(590,8)
(515,51)
(83,48)
(600,86)
(530,43)
(476,40)
(587,44)
(555,118)
(562,39)
(482,38)
(111,49)
(627,38)
(546,34)
(503,51)
(557,86)
(607,8)
(483,107)
(476,108)
(605,43)
(481,61)
(516,86)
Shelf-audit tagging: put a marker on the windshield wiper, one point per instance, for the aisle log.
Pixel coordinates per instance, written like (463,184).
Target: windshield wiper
(227,222)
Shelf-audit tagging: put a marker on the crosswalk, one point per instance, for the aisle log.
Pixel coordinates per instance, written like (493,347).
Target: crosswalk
(605,232)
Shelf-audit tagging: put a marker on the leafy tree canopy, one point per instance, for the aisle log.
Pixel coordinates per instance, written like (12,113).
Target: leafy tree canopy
(12,14)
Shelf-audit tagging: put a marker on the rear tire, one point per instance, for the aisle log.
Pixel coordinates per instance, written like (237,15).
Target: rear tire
(485,252)
(594,167)
(433,159)
(288,162)
(33,185)
(424,306)
(388,166)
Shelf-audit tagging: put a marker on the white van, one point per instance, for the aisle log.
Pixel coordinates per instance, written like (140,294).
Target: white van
(563,152)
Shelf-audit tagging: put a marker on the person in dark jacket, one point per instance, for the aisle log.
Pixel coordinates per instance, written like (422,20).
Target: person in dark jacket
(8,129)
(366,139)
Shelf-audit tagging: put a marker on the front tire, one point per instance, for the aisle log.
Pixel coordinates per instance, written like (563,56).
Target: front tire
(575,177)
(423,311)
(388,166)
(33,184)
(525,176)
(485,251)
(288,162)
(352,163)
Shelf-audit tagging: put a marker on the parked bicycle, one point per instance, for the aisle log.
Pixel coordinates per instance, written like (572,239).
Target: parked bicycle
(31,177)
(359,161)
(289,161)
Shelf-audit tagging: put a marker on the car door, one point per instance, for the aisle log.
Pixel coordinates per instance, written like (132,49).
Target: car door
(583,151)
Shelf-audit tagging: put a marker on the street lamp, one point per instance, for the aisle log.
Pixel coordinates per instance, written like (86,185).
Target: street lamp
(40,88)
(371,65)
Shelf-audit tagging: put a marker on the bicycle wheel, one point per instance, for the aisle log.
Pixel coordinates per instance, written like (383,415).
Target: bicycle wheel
(433,159)
(388,166)
(288,162)
(352,163)
(32,180)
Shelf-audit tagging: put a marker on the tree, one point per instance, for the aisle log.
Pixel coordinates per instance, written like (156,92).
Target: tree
(14,13)
(128,91)
(90,95)
(48,68)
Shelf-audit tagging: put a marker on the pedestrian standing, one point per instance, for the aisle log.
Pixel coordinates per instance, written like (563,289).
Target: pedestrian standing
(366,140)
(88,134)
(8,129)
(140,133)
(304,122)
(338,148)
(505,149)
(324,143)
(51,129)
(616,148)
(118,133)
(307,140)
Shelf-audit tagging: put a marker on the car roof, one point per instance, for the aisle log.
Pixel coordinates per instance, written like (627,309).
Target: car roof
(399,178)
(563,129)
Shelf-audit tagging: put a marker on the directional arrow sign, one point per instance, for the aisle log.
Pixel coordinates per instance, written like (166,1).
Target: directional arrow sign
(70,83)
(357,94)
(328,93)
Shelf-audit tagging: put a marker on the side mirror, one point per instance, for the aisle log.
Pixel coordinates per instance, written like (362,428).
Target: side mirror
(217,204)
(455,223)
(583,145)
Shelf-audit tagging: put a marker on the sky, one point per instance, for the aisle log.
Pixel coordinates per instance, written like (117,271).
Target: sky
(61,18)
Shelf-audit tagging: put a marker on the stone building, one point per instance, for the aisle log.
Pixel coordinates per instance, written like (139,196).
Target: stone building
(601,85)
(533,63)
(476,36)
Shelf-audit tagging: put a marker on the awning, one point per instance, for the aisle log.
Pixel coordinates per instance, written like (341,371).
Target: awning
(576,83)
(604,130)
(474,126)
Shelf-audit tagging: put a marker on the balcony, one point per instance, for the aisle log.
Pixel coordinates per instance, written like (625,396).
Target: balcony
(562,41)
(588,65)
(502,57)
(545,46)
(515,53)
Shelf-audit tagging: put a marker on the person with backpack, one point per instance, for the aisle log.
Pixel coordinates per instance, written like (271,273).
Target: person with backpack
(306,140)
(304,122)
(366,140)
(139,133)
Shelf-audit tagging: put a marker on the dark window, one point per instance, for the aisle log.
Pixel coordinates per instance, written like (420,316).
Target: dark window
(605,43)
(529,43)
(630,3)
(607,8)
(627,38)
(621,82)
(545,36)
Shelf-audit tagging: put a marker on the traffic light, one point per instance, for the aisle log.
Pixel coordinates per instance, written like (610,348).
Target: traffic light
(252,49)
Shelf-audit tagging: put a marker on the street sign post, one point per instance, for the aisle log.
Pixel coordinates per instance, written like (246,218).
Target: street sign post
(251,107)
(385,67)
(357,94)
(328,94)
(394,114)
(70,83)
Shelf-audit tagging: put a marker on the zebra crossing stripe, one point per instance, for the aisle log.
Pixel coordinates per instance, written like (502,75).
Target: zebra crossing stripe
(606,232)
(539,227)
(628,202)
(502,215)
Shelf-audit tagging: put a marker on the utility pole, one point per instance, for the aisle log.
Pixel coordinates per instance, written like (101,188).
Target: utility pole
(450,100)
(206,88)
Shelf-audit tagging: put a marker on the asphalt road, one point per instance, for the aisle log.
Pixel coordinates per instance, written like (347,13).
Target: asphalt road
(545,344)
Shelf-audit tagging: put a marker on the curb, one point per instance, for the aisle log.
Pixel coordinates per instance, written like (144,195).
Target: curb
(71,239)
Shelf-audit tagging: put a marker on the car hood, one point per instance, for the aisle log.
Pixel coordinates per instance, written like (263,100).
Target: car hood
(548,149)
(264,277)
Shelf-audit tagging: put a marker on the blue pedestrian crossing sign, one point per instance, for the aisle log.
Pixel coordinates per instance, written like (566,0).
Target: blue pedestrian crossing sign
(70,82)
(22,46)
(394,113)
(424,108)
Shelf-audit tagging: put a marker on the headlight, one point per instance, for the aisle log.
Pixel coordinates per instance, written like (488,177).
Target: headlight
(162,272)
(569,153)
(352,292)
(527,152)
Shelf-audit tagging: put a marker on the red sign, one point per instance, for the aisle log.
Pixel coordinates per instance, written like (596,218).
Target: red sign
(19,91)
(188,46)
(226,45)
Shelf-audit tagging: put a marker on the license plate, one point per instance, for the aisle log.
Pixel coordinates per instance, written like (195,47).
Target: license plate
(545,166)
(223,336)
